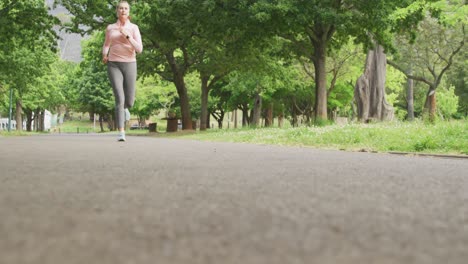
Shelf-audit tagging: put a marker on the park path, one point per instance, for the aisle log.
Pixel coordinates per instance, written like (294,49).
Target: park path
(88,199)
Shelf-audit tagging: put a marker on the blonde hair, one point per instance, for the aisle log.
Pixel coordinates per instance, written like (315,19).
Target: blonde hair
(118,5)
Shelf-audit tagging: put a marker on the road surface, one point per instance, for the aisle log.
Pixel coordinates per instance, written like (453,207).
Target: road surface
(89,199)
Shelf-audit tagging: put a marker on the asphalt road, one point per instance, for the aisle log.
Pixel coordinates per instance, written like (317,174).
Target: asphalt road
(70,199)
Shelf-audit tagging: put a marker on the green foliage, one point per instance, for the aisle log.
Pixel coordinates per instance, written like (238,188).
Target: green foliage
(447,102)
(458,77)
(249,47)
(27,49)
(395,85)
(26,24)
(194,93)
(438,51)
(91,84)
(46,91)
(341,98)
(27,35)
(151,96)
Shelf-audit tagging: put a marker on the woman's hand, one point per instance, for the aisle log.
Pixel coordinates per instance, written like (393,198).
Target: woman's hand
(105,59)
(124,33)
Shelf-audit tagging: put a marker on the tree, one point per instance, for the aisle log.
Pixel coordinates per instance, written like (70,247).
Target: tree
(209,37)
(459,79)
(180,37)
(28,40)
(25,66)
(316,28)
(95,92)
(370,88)
(433,54)
(150,98)
(45,93)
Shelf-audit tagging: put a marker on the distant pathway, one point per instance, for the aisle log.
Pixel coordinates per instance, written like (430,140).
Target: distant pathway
(70,199)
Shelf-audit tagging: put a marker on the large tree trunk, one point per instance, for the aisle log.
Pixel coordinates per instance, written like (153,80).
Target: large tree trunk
(204,102)
(179,83)
(410,97)
(320,55)
(430,105)
(257,110)
(208,121)
(370,88)
(19,118)
(184,103)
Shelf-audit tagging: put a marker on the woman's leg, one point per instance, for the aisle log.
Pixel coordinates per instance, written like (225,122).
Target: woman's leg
(116,78)
(129,70)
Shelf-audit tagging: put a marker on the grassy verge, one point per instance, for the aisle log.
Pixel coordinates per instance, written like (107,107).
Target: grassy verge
(440,138)
(418,137)
(18,133)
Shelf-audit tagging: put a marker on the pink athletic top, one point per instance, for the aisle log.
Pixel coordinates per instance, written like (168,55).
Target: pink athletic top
(117,47)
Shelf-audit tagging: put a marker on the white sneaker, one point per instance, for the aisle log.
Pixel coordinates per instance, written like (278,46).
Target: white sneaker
(127,114)
(121,137)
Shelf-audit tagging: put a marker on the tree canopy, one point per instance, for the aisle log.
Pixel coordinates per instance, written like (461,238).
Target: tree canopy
(286,58)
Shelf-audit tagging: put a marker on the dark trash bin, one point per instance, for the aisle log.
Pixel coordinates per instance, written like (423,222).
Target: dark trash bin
(152,127)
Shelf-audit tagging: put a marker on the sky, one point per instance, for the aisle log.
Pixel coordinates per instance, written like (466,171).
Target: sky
(69,43)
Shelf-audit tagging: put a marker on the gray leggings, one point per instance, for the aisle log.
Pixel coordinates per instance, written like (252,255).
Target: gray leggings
(122,76)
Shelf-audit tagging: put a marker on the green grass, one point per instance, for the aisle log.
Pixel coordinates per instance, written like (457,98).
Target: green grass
(441,138)
(418,137)
(81,126)
(18,133)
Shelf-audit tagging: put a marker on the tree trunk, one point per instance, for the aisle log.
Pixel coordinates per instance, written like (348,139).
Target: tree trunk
(257,110)
(235,118)
(111,124)
(36,119)
(179,83)
(208,120)
(101,125)
(361,95)
(204,102)
(320,55)
(280,120)
(219,118)
(269,115)
(39,120)
(369,91)
(294,114)
(245,115)
(430,105)
(19,118)
(29,120)
(184,103)
(410,97)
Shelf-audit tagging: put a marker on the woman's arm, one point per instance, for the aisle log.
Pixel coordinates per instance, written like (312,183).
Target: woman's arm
(106,46)
(135,39)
